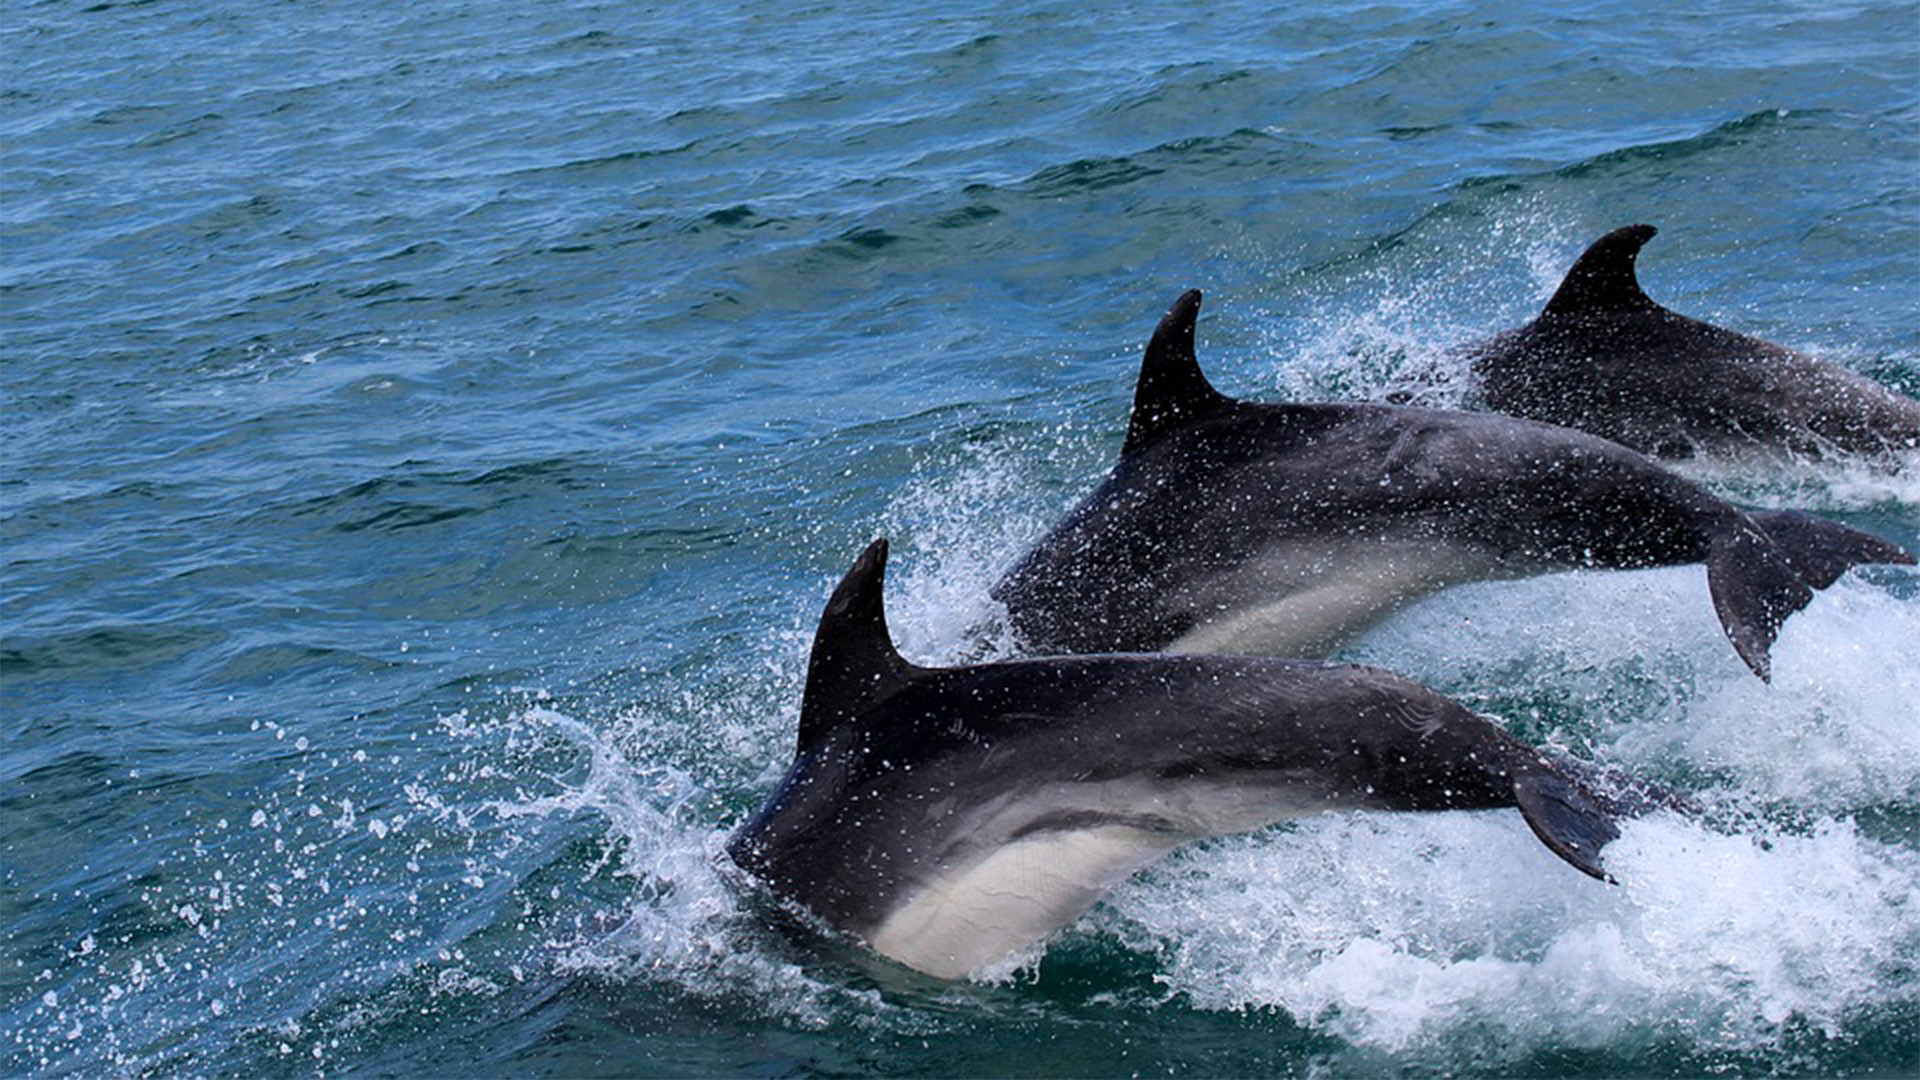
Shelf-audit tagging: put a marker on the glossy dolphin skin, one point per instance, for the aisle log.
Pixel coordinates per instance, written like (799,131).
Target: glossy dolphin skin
(1605,358)
(1233,526)
(949,817)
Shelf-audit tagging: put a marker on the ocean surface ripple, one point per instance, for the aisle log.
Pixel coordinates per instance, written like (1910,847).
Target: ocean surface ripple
(434,428)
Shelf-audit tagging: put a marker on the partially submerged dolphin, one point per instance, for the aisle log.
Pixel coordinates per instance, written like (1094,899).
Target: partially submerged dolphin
(1234,526)
(1605,358)
(950,817)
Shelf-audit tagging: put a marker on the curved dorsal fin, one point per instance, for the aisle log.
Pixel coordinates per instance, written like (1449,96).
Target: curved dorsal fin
(1172,389)
(854,664)
(1602,279)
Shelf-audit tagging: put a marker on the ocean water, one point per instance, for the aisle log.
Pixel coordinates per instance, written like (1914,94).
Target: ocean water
(433,427)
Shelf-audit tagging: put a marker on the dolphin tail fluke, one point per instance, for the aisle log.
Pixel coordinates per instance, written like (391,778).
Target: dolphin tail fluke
(1622,794)
(1755,587)
(1573,822)
(1768,566)
(1822,550)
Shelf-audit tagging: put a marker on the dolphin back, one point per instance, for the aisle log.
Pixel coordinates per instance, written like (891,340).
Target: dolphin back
(1604,357)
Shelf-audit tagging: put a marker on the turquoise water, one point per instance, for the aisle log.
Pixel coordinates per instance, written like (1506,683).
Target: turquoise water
(434,427)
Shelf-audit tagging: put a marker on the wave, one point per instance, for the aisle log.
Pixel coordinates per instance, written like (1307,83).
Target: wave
(1765,124)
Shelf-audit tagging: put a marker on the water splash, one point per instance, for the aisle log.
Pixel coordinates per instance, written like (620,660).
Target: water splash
(1404,932)
(963,524)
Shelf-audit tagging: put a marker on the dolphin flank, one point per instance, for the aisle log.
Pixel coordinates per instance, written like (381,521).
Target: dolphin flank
(1235,526)
(1605,358)
(950,817)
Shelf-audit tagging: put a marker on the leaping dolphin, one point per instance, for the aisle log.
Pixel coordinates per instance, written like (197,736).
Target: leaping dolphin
(1605,358)
(1235,526)
(950,817)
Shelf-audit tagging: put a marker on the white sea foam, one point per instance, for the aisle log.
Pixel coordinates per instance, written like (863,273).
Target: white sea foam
(1641,654)
(1393,350)
(1396,328)
(1836,728)
(1403,931)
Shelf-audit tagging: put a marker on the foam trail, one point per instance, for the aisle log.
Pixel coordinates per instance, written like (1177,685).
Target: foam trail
(1640,667)
(1834,731)
(1581,628)
(1389,932)
(683,910)
(1396,328)
(658,843)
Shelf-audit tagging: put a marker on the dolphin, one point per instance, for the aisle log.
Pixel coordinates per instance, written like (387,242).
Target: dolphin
(948,818)
(1235,526)
(1605,358)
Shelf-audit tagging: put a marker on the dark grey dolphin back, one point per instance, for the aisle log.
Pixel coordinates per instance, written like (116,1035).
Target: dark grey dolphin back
(1605,358)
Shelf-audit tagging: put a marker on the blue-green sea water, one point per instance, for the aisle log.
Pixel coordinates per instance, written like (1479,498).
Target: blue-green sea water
(432,427)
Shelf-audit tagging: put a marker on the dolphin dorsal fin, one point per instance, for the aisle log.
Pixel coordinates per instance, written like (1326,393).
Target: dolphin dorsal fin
(854,664)
(1172,389)
(1602,279)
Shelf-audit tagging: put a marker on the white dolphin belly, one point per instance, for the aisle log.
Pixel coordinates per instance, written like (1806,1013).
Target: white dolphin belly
(997,899)
(1306,599)
(1016,895)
